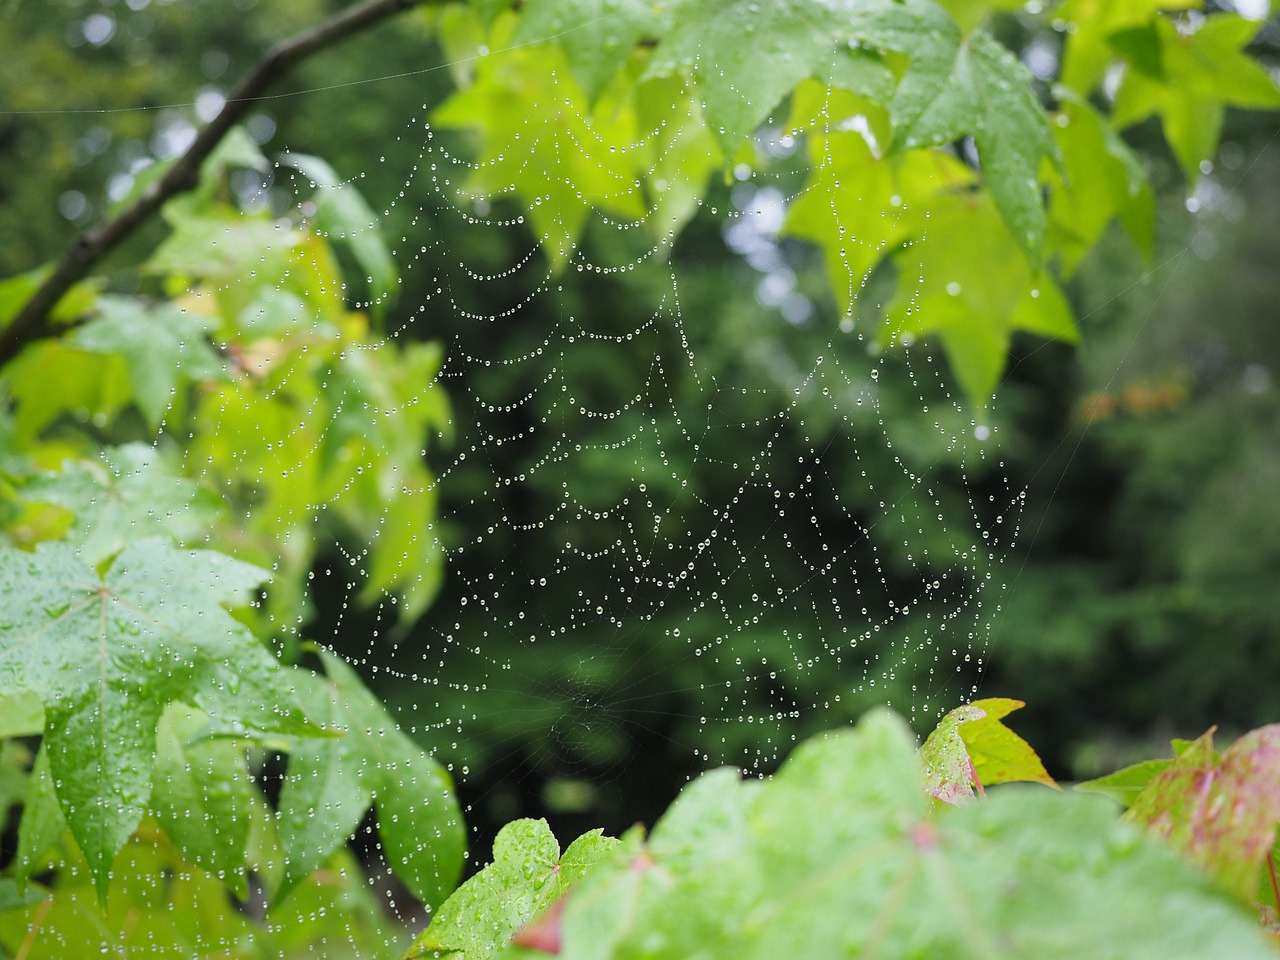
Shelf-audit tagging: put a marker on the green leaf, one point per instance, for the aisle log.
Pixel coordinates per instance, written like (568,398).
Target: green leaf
(418,816)
(684,153)
(163,348)
(967,281)
(1222,815)
(342,214)
(998,754)
(747,56)
(50,379)
(127,497)
(527,874)
(21,715)
(597,36)
(202,796)
(1101,179)
(858,206)
(970,13)
(984,91)
(106,653)
(837,855)
(331,783)
(1204,71)
(42,824)
(1126,784)
(543,144)
(1090,25)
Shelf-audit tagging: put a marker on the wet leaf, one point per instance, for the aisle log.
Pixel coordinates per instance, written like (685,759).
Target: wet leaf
(838,855)
(128,496)
(983,91)
(331,783)
(163,350)
(1222,814)
(106,653)
(597,36)
(527,874)
(1203,71)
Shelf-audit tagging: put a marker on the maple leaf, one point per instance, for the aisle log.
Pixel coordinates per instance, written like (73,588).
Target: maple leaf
(107,652)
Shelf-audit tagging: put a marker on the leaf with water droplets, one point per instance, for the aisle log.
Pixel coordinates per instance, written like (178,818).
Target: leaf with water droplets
(526,875)
(597,36)
(1200,73)
(837,855)
(1222,815)
(540,142)
(128,496)
(164,348)
(747,56)
(983,91)
(331,783)
(202,796)
(968,282)
(106,653)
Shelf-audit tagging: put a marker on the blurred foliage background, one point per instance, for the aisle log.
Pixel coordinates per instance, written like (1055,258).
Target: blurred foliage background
(1141,598)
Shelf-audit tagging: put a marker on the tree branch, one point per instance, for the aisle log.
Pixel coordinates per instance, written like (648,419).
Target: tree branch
(32,321)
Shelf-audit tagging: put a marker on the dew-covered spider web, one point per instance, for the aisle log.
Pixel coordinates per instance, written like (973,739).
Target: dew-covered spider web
(687,512)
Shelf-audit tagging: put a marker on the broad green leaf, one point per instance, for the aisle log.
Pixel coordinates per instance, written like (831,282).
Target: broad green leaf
(540,142)
(330,785)
(1101,179)
(42,824)
(341,214)
(228,247)
(162,348)
(1089,26)
(967,281)
(970,13)
(324,796)
(418,816)
(747,56)
(684,153)
(127,497)
(1126,784)
(837,856)
(857,205)
(21,715)
(50,380)
(597,36)
(156,632)
(202,796)
(1222,815)
(1203,72)
(985,92)
(998,754)
(527,874)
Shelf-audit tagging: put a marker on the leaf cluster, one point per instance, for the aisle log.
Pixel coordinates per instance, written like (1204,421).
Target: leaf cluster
(841,852)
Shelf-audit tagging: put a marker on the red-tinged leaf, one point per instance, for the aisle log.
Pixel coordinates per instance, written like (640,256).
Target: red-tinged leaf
(950,774)
(543,933)
(971,747)
(1223,816)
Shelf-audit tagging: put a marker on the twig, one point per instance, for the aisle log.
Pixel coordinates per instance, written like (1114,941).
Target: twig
(32,321)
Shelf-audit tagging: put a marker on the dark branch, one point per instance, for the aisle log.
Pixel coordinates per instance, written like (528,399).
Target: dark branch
(32,321)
